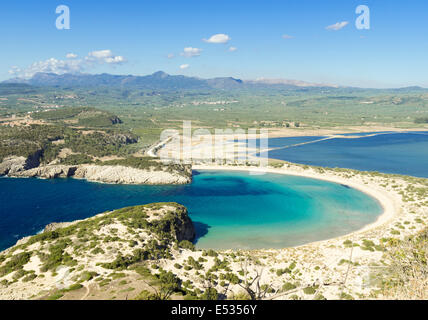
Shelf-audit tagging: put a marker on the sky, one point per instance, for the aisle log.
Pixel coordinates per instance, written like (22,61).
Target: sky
(309,40)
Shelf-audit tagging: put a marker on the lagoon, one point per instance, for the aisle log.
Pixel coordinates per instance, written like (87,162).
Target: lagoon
(230,210)
(388,152)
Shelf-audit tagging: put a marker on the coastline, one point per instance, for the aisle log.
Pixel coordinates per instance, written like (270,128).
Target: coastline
(330,264)
(302,132)
(389,203)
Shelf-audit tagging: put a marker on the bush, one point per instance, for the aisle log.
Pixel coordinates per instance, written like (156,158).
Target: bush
(73,287)
(421,120)
(146,295)
(15,263)
(55,296)
(209,294)
(185,244)
(309,290)
(288,286)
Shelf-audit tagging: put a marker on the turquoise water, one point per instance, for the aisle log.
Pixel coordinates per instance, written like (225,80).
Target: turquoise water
(229,209)
(388,152)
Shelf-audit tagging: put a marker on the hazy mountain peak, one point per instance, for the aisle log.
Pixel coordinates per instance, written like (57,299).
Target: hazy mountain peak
(290,82)
(160,74)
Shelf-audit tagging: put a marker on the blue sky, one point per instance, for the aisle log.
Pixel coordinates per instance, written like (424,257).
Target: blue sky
(136,37)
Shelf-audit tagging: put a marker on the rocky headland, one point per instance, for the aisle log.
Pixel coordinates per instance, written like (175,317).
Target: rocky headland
(115,174)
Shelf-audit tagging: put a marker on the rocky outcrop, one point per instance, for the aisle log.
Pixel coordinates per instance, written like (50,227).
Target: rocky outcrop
(47,172)
(184,229)
(58,225)
(12,165)
(96,173)
(127,175)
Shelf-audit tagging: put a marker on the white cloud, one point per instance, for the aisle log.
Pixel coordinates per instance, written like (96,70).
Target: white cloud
(71,65)
(51,65)
(101,54)
(218,38)
(189,52)
(14,70)
(184,66)
(170,56)
(115,60)
(286,36)
(232,49)
(104,56)
(337,26)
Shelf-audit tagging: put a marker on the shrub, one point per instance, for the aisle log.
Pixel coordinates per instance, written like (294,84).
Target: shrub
(146,295)
(209,294)
(288,286)
(55,296)
(15,263)
(185,244)
(309,290)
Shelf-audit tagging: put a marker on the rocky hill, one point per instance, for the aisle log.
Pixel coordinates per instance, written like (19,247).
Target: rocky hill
(52,151)
(68,259)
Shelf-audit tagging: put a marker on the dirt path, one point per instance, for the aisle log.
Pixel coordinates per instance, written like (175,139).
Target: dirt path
(86,294)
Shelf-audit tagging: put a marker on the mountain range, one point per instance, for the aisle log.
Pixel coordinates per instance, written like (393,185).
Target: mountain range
(156,81)
(161,81)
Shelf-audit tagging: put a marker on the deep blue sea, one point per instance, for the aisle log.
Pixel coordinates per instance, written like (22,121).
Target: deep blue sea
(229,209)
(388,152)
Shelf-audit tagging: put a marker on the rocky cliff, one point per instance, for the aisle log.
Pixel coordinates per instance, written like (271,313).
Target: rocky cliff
(18,167)
(127,175)
(15,164)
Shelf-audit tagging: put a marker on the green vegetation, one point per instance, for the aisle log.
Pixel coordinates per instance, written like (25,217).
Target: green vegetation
(55,296)
(82,116)
(288,286)
(15,263)
(147,112)
(407,268)
(76,159)
(421,120)
(163,284)
(57,256)
(38,141)
(310,290)
(185,244)
(135,162)
(28,141)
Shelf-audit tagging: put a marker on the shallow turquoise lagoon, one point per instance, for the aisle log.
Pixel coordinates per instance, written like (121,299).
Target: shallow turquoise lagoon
(229,209)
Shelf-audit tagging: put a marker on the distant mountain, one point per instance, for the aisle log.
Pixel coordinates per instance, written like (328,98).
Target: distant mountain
(13,88)
(161,81)
(287,82)
(156,81)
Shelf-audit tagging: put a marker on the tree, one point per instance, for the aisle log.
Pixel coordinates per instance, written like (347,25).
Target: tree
(166,284)
(252,285)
